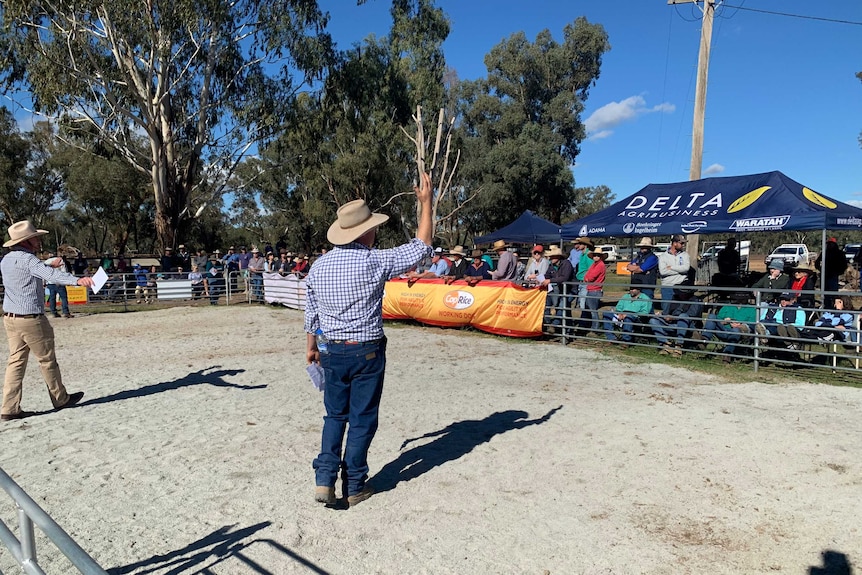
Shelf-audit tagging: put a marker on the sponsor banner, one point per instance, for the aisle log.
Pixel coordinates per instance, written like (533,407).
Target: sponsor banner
(501,308)
(760,224)
(286,290)
(851,221)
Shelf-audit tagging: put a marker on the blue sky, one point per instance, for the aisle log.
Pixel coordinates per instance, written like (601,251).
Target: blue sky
(782,93)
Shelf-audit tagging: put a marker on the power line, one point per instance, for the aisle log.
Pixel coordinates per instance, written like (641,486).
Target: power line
(836,21)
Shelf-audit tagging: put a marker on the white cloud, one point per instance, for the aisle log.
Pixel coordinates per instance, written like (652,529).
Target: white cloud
(857,203)
(713,169)
(609,116)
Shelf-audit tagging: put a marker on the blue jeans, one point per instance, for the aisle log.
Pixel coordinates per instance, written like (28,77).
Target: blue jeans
(594,298)
(627,327)
(53,290)
(666,299)
(722,332)
(354,384)
(664,330)
(256,287)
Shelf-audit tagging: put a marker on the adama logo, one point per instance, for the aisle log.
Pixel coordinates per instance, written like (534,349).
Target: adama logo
(458,299)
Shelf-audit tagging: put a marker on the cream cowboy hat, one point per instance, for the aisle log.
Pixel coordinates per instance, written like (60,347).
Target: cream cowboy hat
(458,251)
(644,243)
(500,245)
(554,251)
(24,230)
(806,267)
(599,252)
(354,219)
(586,241)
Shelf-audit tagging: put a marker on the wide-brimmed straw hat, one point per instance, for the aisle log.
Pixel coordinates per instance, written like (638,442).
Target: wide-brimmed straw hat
(500,245)
(600,253)
(806,267)
(354,220)
(476,254)
(644,243)
(21,231)
(554,251)
(458,251)
(586,241)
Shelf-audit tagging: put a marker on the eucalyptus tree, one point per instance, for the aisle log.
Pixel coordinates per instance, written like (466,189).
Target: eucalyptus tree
(203,81)
(520,127)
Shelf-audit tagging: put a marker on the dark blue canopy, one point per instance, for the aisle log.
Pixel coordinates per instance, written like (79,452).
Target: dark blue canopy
(738,204)
(528,228)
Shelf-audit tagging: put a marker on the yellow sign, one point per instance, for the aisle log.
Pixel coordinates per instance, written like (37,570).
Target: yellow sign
(77,294)
(497,307)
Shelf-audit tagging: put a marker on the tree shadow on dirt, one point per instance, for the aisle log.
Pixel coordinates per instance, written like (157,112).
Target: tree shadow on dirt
(834,563)
(215,377)
(203,555)
(453,441)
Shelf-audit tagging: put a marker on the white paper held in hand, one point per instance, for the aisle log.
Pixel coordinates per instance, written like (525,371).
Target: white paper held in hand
(315,372)
(100,277)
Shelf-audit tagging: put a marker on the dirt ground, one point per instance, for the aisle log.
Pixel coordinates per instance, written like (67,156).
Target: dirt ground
(192,450)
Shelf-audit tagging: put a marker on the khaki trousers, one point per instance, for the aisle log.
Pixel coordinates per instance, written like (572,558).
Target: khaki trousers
(26,335)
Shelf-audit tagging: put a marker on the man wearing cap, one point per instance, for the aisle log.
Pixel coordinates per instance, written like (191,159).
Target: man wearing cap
(538,265)
(439,267)
(255,274)
(24,318)
(644,268)
(459,264)
(631,308)
(507,267)
(673,267)
(775,281)
(344,301)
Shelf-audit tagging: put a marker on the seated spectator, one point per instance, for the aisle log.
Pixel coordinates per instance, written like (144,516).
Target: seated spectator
(537,266)
(672,329)
(836,326)
(459,264)
(804,280)
(558,284)
(301,264)
(285,266)
(478,269)
(628,312)
(439,268)
(730,324)
(197,280)
(644,267)
(775,279)
(142,283)
(520,267)
(784,320)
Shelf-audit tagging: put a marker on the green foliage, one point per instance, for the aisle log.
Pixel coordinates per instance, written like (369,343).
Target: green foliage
(520,127)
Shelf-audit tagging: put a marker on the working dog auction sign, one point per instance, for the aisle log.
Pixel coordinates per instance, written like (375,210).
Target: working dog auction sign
(501,308)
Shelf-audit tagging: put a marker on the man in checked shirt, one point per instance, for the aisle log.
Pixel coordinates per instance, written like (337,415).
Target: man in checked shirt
(24,318)
(344,327)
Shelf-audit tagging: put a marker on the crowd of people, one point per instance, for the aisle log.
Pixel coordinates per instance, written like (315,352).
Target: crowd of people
(662,304)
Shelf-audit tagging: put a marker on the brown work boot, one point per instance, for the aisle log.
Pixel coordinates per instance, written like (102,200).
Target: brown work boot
(360,497)
(324,494)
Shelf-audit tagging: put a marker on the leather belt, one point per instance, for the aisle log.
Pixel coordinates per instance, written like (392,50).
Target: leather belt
(353,342)
(23,316)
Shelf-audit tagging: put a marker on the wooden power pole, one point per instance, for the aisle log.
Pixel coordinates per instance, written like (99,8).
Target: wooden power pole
(694,172)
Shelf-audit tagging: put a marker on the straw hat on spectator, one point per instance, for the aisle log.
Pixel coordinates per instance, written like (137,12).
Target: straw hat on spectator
(354,219)
(600,253)
(554,252)
(585,241)
(806,267)
(476,254)
(644,243)
(500,245)
(21,231)
(458,251)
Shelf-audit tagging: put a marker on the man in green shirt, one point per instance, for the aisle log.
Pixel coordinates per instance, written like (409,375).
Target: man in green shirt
(627,312)
(730,324)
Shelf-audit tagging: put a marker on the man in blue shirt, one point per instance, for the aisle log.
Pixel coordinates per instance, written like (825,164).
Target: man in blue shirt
(344,309)
(439,267)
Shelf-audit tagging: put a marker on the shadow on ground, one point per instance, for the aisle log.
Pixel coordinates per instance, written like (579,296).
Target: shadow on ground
(452,442)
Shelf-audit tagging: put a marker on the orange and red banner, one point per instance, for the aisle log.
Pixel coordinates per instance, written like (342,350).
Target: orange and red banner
(502,308)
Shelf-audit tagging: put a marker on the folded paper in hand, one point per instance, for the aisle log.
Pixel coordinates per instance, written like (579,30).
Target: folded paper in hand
(315,372)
